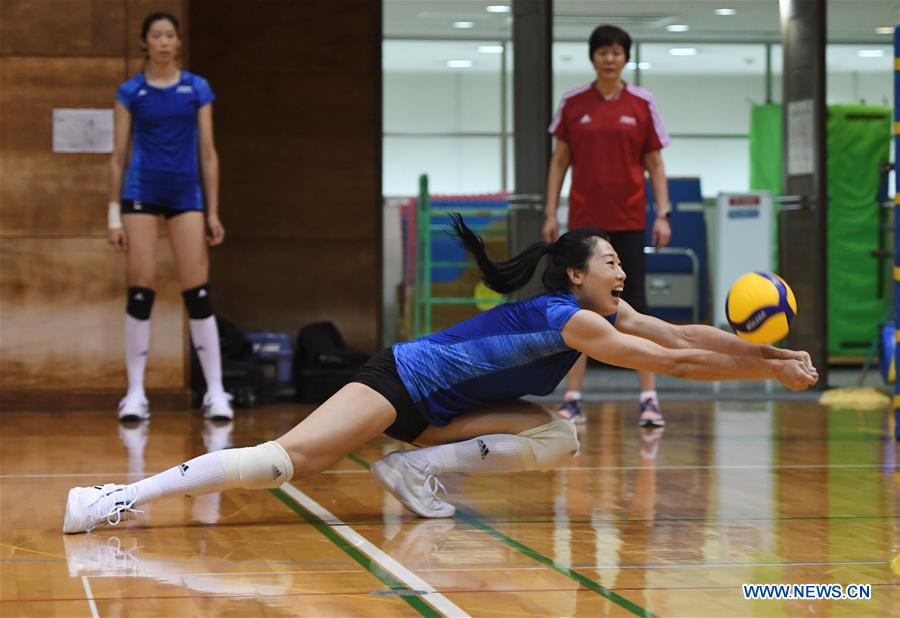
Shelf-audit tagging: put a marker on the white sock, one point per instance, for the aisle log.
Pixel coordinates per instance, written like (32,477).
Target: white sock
(137,344)
(201,475)
(205,335)
(539,448)
(254,467)
(573,396)
(491,453)
(645,395)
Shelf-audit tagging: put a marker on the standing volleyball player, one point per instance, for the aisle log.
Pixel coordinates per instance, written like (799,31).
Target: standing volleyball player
(457,391)
(167,112)
(610,132)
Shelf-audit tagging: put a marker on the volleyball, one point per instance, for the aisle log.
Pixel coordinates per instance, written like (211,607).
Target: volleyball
(760,307)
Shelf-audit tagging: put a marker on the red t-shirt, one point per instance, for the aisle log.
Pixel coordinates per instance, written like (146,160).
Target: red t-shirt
(608,140)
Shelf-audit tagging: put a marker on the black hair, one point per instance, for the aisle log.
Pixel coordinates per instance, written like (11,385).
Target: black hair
(154,17)
(571,250)
(606,35)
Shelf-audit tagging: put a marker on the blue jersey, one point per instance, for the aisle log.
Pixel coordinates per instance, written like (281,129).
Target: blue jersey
(512,350)
(163,170)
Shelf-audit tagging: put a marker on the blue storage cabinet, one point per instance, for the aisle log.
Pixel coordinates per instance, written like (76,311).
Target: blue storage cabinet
(274,350)
(689,232)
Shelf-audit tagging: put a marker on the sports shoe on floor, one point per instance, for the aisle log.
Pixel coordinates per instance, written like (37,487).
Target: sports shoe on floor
(412,483)
(134,408)
(218,407)
(571,411)
(89,507)
(650,414)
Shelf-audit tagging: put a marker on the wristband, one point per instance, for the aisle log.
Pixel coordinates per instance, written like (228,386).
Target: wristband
(114,216)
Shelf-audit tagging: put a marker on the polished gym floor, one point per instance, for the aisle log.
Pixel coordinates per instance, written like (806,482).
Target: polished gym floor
(669,523)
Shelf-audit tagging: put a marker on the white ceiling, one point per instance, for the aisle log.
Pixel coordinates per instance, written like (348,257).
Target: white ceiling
(756,21)
(646,20)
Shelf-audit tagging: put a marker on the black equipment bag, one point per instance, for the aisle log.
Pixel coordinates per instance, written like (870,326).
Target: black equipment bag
(322,362)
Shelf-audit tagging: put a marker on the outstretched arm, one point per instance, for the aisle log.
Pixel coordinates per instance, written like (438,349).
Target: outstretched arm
(593,335)
(698,336)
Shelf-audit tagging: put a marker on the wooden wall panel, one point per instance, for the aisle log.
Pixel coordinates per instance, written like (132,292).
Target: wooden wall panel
(61,320)
(298,127)
(43,192)
(285,284)
(62,27)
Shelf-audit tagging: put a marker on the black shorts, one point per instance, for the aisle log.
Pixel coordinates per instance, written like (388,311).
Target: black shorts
(134,207)
(630,247)
(380,374)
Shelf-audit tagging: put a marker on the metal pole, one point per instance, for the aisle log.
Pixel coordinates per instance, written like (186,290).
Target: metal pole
(504,146)
(896,228)
(422,232)
(426,258)
(803,217)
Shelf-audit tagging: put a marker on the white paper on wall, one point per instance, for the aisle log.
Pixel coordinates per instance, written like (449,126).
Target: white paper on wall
(800,137)
(82,130)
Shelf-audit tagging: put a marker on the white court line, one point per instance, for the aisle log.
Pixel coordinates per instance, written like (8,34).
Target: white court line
(400,572)
(724,565)
(736,467)
(90,596)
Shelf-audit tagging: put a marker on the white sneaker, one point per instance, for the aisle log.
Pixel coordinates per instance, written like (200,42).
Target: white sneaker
(412,483)
(133,408)
(88,507)
(218,407)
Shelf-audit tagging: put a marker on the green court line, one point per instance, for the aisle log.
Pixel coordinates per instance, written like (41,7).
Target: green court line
(414,601)
(466,516)
(359,462)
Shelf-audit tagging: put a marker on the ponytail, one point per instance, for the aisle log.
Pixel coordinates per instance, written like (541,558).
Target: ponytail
(571,250)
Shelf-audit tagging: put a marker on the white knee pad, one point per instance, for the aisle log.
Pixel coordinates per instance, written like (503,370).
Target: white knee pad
(552,444)
(264,466)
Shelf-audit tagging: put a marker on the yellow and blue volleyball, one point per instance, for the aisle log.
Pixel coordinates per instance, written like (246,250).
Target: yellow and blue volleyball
(760,307)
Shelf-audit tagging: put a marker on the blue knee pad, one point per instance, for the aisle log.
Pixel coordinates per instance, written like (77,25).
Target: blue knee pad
(140,303)
(198,303)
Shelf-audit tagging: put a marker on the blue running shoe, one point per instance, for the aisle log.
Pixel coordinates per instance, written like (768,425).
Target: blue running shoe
(650,414)
(571,411)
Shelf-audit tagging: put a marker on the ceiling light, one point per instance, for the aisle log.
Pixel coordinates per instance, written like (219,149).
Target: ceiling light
(459,64)
(683,51)
(463,24)
(490,49)
(643,66)
(884,30)
(497,8)
(725,12)
(870,53)
(677,28)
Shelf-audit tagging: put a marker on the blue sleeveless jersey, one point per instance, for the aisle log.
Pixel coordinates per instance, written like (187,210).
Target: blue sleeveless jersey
(512,350)
(163,170)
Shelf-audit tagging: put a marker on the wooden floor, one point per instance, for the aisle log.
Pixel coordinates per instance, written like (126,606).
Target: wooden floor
(666,524)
